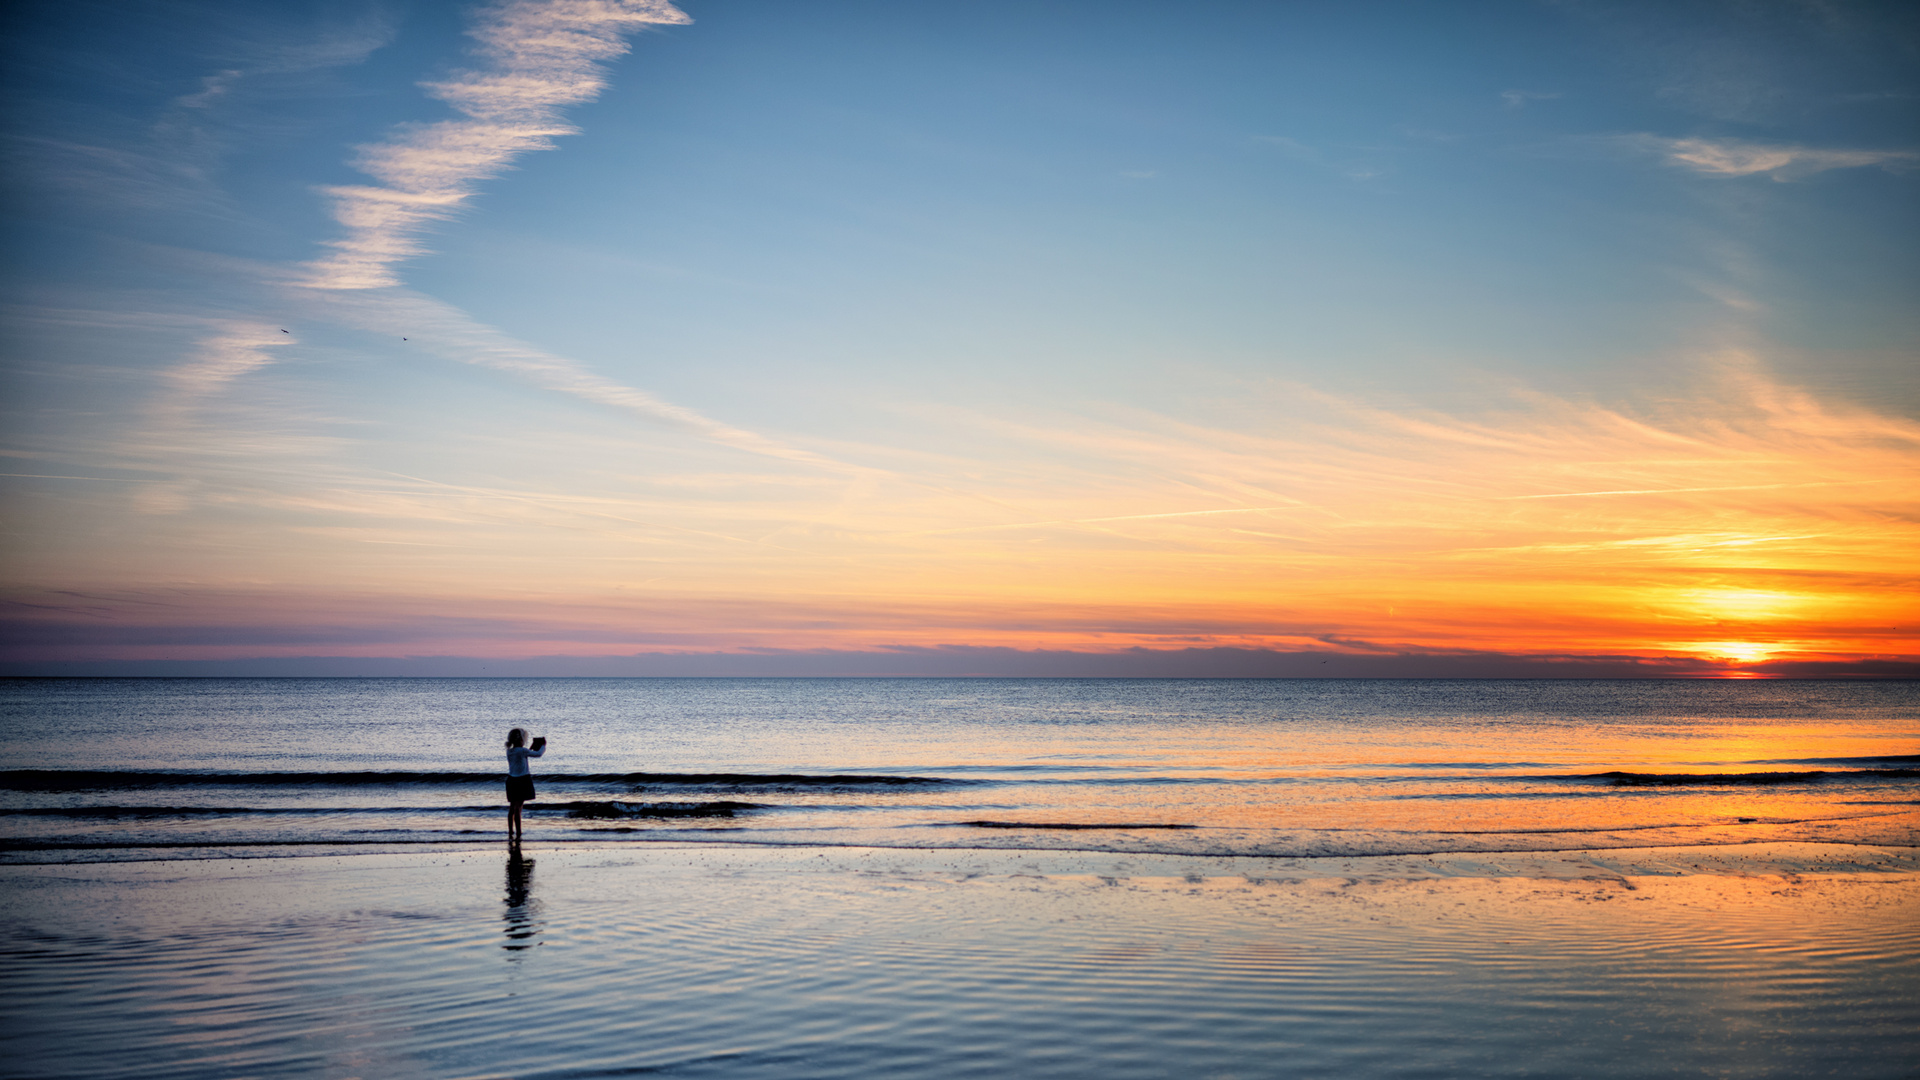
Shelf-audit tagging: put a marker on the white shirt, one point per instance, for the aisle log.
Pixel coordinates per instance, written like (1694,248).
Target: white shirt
(517,759)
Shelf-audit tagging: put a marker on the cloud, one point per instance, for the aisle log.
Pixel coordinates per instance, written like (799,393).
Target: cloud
(320,48)
(236,349)
(540,58)
(212,89)
(446,331)
(20,642)
(1518,99)
(172,162)
(177,438)
(1732,157)
(1744,515)
(117,179)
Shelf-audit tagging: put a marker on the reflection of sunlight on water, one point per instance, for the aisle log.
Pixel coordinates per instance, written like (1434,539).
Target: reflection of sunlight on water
(860,962)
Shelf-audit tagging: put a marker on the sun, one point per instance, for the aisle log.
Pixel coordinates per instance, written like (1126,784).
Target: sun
(1746,652)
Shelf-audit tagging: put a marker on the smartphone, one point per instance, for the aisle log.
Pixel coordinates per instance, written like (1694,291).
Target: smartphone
(539,741)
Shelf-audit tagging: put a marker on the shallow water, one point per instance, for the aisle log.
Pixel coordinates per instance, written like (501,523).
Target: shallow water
(113,768)
(782,962)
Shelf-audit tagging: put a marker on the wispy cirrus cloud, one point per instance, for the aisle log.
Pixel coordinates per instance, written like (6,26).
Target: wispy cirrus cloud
(236,348)
(1519,99)
(446,331)
(1749,516)
(1733,157)
(176,441)
(338,44)
(173,162)
(540,57)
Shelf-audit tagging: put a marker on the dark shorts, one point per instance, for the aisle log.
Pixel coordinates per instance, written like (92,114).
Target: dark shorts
(520,789)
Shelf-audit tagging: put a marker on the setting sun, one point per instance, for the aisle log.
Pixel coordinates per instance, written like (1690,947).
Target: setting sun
(1746,652)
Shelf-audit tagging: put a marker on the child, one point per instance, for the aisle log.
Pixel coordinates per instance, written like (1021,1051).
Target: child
(519,777)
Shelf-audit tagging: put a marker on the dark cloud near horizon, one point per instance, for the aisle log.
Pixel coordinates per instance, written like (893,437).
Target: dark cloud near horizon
(980,662)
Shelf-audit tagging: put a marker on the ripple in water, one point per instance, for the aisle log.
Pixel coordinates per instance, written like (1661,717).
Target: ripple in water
(587,963)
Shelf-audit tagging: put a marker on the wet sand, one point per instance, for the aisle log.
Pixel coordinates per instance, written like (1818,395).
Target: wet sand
(717,960)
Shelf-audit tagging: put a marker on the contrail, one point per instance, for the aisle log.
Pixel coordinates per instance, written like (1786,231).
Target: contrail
(447,331)
(542,56)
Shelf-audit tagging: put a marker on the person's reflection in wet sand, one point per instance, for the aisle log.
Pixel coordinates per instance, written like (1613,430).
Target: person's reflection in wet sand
(522,909)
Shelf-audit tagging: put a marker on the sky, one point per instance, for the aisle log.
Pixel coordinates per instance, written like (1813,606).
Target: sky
(763,337)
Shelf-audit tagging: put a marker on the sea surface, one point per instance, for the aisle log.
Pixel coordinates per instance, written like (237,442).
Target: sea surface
(849,879)
(117,768)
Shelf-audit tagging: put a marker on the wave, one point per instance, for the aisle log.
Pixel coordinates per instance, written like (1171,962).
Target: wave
(1635,779)
(1872,760)
(1068,825)
(121,780)
(81,780)
(146,811)
(221,847)
(718,809)
(114,811)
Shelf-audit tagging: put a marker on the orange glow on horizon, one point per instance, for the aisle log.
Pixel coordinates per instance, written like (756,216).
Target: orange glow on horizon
(1745,652)
(1752,524)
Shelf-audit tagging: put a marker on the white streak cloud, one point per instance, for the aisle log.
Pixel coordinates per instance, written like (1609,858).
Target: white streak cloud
(1518,99)
(237,348)
(1730,157)
(541,56)
(448,332)
(174,427)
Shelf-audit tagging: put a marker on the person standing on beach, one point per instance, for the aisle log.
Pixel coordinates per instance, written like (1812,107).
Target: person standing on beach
(519,777)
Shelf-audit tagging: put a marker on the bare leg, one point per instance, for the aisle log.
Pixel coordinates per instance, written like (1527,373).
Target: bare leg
(513,821)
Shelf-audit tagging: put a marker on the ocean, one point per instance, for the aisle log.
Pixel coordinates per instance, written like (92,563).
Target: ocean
(133,768)
(825,878)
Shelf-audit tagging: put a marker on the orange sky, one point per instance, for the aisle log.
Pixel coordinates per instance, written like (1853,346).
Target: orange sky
(1745,522)
(551,329)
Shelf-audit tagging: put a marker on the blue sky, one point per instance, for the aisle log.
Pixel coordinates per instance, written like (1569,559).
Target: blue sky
(805,279)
